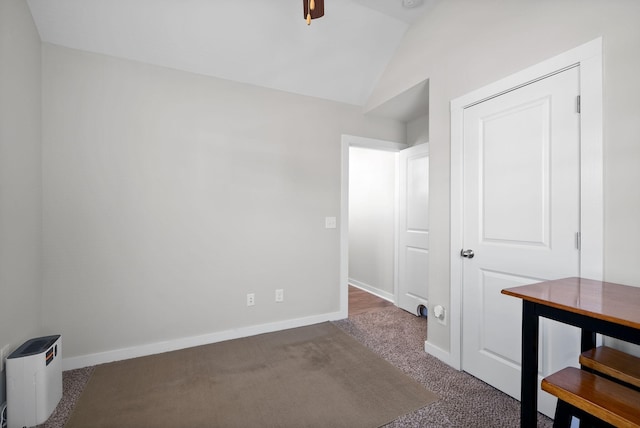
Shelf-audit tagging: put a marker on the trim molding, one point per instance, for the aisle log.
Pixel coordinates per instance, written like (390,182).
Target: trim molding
(189,342)
(437,352)
(372,290)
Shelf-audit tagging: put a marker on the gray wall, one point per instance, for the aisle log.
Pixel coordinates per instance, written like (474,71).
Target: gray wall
(372,208)
(418,130)
(462,45)
(20,176)
(169,196)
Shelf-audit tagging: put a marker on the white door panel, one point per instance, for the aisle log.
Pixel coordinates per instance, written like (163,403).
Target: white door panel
(524,195)
(494,312)
(416,272)
(521,216)
(416,168)
(413,227)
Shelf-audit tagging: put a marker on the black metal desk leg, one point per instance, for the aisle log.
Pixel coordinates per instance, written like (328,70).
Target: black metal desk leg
(529,376)
(587,340)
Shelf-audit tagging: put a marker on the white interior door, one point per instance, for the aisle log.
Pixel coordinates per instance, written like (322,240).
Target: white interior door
(521,220)
(413,227)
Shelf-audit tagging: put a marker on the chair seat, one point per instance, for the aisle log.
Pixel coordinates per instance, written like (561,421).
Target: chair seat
(606,400)
(613,363)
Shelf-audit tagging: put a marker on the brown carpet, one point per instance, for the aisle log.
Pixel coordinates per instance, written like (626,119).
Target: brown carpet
(315,376)
(464,401)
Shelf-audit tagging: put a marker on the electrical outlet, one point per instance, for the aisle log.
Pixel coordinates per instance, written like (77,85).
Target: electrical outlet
(251,299)
(279,295)
(330,222)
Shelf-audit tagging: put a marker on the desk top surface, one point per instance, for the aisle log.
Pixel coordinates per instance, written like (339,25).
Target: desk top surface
(598,299)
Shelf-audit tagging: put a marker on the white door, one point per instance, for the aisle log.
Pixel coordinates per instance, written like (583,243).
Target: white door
(413,227)
(521,219)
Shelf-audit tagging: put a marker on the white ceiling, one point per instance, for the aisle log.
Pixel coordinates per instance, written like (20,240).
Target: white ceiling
(261,42)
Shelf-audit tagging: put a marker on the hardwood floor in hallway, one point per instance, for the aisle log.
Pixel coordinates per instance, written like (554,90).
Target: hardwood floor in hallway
(361,301)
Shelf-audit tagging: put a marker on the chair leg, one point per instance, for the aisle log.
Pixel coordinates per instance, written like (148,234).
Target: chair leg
(589,421)
(563,415)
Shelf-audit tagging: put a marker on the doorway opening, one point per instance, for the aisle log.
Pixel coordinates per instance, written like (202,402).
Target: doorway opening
(361,157)
(373,176)
(384,222)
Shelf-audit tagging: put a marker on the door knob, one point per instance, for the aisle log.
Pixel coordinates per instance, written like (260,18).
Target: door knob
(467,253)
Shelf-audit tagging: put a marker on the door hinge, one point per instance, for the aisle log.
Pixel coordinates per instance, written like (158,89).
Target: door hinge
(578,241)
(578,103)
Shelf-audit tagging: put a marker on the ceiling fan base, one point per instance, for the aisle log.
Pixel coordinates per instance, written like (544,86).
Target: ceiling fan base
(317,12)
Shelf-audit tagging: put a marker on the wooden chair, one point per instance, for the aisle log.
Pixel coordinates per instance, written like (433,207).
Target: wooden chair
(595,400)
(613,364)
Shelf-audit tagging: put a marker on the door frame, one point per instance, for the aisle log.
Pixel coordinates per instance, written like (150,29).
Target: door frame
(348,141)
(589,58)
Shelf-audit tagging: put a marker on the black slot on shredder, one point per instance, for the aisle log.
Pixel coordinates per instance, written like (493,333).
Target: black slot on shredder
(34,381)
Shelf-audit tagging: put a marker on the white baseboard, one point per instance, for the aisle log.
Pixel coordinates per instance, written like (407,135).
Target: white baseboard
(441,354)
(188,342)
(370,289)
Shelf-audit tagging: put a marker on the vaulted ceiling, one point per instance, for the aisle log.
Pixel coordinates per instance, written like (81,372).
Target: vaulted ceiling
(267,43)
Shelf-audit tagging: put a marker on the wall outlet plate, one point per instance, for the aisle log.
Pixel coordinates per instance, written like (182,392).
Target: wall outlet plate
(279,295)
(330,222)
(251,299)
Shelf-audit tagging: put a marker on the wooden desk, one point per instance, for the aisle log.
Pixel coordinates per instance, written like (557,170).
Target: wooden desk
(593,306)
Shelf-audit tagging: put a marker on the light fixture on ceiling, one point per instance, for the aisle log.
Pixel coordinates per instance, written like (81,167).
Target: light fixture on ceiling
(410,4)
(313,9)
